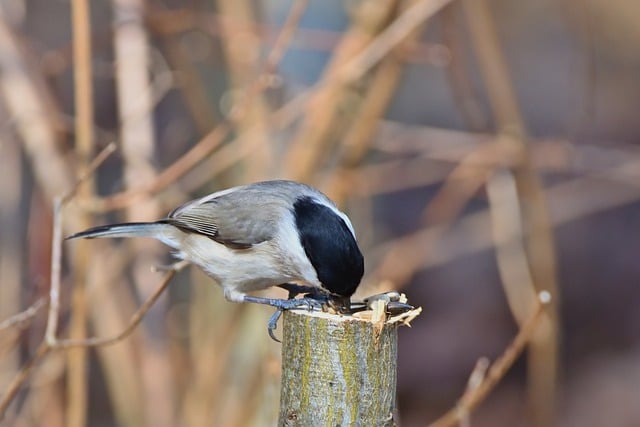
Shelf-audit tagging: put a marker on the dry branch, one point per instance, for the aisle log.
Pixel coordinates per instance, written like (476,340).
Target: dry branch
(477,393)
(19,319)
(77,363)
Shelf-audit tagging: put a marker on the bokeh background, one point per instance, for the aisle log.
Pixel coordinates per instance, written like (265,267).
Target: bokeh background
(484,149)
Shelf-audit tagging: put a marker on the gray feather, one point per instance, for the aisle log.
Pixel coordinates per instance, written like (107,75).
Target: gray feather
(238,217)
(130,229)
(242,216)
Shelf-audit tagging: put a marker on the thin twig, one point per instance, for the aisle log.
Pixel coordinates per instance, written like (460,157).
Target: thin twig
(135,320)
(473,396)
(90,170)
(475,380)
(56,262)
(56,243)
(169,175)
(21,377)
(478,374)
(19,319)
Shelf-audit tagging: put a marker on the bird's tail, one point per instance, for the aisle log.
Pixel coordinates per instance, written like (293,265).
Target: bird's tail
(129,229)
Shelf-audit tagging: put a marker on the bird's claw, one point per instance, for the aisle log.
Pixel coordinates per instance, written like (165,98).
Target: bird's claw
(273,324)
(290,304)
(310,303)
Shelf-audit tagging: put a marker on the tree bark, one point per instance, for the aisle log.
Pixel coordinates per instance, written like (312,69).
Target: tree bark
(337,370)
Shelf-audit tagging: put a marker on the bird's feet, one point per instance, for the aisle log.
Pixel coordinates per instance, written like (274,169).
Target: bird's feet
(288,304)
(273,324)
(315,302)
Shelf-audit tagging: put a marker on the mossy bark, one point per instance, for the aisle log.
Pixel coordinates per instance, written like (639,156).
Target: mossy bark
(337,371)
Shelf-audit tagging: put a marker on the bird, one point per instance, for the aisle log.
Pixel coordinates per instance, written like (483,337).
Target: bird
(252,237)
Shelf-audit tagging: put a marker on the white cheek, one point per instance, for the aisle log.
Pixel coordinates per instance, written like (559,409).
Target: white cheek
(294,254)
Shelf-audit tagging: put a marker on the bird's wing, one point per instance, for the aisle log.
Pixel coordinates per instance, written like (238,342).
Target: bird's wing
(236,219)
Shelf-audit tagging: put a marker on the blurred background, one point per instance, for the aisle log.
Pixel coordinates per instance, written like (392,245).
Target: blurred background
(484,149)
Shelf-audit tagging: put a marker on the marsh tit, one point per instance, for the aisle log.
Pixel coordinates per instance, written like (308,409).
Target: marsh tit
(260,235)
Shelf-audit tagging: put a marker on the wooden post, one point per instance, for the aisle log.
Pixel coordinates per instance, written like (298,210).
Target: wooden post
(337,370)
